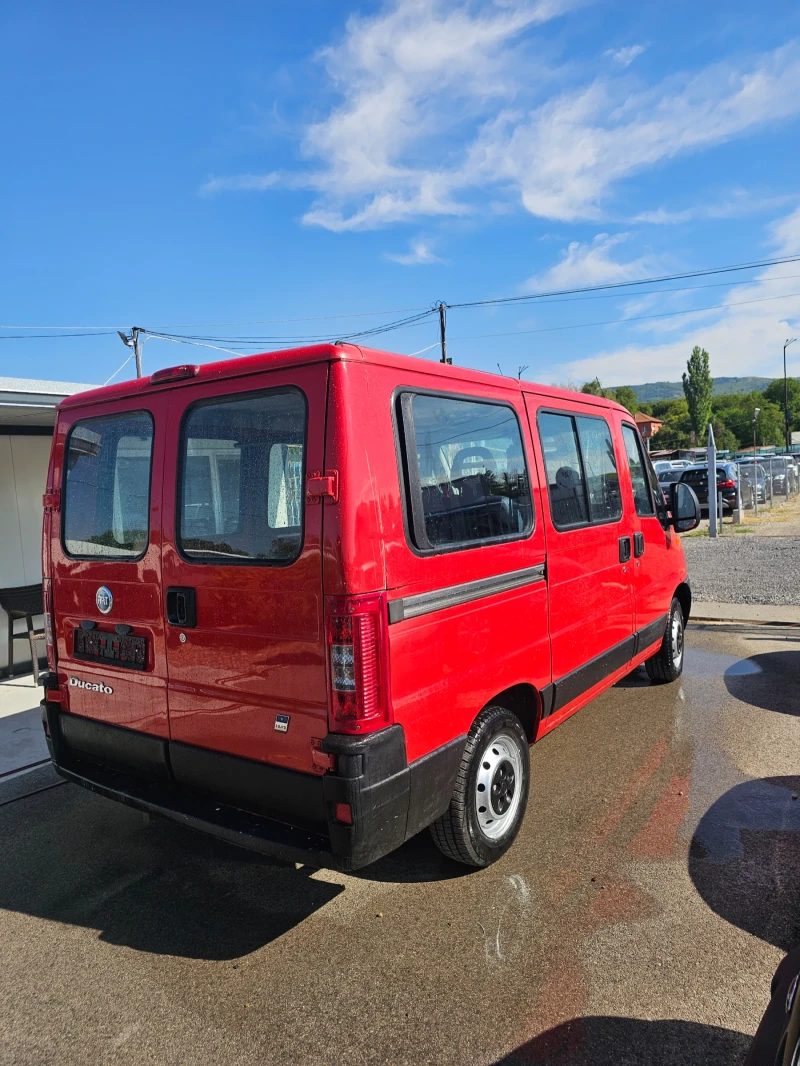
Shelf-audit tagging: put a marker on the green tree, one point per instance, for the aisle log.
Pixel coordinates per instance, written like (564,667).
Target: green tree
(774,393)
(698,386)
(594,388)
(725,439)
(677,429)
(627,397)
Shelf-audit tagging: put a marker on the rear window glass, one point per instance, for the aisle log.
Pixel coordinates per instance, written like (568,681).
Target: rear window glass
(468,480)
(242,463)
(107,487)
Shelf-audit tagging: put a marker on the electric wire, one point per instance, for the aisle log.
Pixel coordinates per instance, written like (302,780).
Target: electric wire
(420,313)
(624,321)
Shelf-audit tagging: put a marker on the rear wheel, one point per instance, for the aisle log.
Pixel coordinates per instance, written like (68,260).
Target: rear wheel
(491,791)
(667,663)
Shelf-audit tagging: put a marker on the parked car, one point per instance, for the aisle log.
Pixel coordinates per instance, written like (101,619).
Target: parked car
(777,1041)
(669,476)
(793,470)
(315,601)
(727,479)
(782,471)
(756,476)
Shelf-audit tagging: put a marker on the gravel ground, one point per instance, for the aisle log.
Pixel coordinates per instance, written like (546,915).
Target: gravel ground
(745,569)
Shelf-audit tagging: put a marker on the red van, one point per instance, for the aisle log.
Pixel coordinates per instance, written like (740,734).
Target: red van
(315,601)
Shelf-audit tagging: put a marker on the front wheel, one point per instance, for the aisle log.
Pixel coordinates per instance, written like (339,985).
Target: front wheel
(491,793)
(667,663)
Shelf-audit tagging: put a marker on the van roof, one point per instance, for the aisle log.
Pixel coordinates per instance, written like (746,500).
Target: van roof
(318,353)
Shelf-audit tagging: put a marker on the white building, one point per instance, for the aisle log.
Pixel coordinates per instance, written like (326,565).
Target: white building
(27,417)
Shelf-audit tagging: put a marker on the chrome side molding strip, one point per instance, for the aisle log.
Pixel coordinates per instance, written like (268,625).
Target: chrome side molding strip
(453,595)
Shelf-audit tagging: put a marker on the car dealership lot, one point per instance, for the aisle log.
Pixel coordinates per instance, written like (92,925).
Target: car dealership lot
(638,918)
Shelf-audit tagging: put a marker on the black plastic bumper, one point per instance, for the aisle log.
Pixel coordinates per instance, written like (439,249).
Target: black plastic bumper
(277,812)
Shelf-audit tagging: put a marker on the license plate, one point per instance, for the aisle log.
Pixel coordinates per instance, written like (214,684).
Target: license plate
(98,646)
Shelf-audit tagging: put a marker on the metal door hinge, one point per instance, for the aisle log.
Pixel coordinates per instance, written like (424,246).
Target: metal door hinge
(51,501)
(320,485)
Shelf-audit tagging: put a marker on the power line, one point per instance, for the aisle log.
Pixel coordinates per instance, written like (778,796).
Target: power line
(254,322)
(418,314)
(50,336)
(630,284)
(624,321)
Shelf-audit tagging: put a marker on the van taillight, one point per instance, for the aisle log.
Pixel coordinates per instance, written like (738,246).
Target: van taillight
(358,659)
(47,596)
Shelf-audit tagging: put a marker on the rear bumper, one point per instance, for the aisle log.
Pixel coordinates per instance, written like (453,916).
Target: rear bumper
(277,812)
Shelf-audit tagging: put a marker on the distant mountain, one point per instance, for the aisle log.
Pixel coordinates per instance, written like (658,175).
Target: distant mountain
(673,390)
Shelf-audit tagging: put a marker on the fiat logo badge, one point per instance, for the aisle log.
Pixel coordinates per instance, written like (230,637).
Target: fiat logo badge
(104,599)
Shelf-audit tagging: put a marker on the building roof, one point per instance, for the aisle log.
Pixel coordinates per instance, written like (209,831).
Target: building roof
(31,402)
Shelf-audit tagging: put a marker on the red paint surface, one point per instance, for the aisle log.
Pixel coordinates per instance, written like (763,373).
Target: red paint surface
(258,648)
(659,837)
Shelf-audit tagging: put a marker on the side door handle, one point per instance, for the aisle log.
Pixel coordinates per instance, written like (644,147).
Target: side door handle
(182,607)
(638,544)
(624,549)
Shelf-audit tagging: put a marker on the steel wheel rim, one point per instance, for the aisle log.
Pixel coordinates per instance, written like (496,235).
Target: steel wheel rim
(676,638)
(498,786)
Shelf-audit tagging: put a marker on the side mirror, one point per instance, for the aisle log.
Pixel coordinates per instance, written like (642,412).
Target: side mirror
(684,506)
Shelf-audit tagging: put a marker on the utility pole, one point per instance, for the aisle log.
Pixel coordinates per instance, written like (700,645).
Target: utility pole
(444,358)
(133,341)
(786,396)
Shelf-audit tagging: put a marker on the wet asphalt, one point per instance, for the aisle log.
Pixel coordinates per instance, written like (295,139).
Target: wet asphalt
(638,919)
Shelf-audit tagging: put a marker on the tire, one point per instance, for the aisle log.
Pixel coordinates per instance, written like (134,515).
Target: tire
(667,663)
(495,765)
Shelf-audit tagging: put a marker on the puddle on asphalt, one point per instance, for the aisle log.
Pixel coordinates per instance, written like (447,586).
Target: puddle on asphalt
(717,664)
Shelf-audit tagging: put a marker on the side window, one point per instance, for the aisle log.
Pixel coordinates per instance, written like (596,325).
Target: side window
(600,464)
(242,478)
(564,470)
(582,476)
(467,480)
(638,467)
(107,487)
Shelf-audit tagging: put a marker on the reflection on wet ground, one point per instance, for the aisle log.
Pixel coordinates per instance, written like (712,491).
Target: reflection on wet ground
(638,919)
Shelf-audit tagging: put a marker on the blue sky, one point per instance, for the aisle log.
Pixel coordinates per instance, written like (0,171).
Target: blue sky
(173,165)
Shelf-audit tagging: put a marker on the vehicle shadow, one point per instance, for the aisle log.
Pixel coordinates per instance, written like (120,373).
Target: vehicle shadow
(636,679)
(415,861)
(744,857)
(769,680)
(75,858)
(610,1041)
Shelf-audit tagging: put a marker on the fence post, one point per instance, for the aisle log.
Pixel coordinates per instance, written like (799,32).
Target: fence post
(737,514)
(770,483)
(711,472)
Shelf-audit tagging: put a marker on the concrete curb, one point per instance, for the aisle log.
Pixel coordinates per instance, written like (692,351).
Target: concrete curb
(748,613)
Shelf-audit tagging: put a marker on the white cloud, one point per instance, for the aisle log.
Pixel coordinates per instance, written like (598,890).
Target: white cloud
(243,182)
(625,56)
(419,254)
(567,155)
(741,340)
(445,109)
(588,264)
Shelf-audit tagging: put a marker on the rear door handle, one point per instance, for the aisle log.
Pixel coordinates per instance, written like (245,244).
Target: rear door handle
(182,607)
(638,544)
(624,549)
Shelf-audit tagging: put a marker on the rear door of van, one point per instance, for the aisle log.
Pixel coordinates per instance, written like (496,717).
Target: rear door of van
(105,551)
(242,567)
